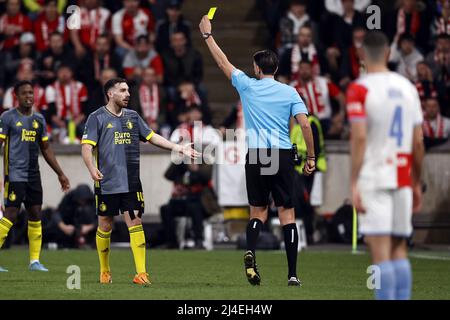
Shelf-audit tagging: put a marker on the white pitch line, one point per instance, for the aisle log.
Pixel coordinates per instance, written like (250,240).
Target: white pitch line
(423,256)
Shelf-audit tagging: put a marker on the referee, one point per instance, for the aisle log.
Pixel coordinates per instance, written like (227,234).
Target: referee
(268,106)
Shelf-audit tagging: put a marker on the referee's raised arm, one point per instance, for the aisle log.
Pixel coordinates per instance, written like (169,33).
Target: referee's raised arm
(216,52)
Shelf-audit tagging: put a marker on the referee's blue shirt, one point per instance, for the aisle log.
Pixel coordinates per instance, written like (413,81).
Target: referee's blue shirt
(268,106)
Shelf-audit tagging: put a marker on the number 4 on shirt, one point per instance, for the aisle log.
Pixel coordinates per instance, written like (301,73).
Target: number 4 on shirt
(396,126)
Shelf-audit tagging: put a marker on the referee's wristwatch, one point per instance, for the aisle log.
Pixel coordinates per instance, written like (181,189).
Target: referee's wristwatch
(206,35)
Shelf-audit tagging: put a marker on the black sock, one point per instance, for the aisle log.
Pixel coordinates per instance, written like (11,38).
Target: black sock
(291,246)
(253,228)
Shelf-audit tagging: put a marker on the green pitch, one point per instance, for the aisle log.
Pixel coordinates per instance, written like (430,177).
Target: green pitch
(212,275)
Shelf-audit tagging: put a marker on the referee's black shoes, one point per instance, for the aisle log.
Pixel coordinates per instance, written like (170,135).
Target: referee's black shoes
(251,270)
(294,282)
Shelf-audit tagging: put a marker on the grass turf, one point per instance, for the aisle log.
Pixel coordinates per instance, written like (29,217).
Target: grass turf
(185,275)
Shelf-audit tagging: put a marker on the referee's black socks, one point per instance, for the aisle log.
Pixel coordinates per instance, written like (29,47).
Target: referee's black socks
(253,229)
(291,246)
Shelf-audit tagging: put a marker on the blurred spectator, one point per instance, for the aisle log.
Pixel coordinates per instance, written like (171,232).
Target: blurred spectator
(129,23)
(95,21)
(346,22)
(351,63)
(181,63)
(66,99)
(425,84)
(142,56)
(12,24)
(97,97)
(94,62)
(436,128)
(188,96)
(24,52)
(48,21)
(405,56)
(439,60)
(338,7)
(146,99)
(51,59)
(74,222)
(26,73)
(36,6)
(291,23)
(441,23)
(411,18)
(174,22)
(272,11)
(234,119)
(317,92)
(189,182)
(303,50)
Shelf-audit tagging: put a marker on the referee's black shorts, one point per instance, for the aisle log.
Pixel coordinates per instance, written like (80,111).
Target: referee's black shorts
(264,177)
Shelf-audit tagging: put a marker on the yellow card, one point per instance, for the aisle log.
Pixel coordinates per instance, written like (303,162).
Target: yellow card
(211,13)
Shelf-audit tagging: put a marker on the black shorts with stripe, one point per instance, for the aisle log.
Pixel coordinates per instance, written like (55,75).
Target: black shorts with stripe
(270,172)
(28,193)
(113,204)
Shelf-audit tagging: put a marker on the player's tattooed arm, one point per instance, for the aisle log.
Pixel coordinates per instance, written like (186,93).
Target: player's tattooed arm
(86,153)
(49,156)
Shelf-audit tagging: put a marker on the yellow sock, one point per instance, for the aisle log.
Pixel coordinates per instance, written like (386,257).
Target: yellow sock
(35,239)
(103,240)
(5,226)
(137,243)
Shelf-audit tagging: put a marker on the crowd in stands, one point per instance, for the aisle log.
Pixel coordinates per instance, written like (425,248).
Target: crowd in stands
(319,45)
(146,42)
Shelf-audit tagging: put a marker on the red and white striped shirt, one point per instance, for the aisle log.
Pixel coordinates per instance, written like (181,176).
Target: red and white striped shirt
(10,100)
(438,128)
(43,28)
(149,100)
(130,27)
(20,23)
(93,23)
(67,98)
(316,95)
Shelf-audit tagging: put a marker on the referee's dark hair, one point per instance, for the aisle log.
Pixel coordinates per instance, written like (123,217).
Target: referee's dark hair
(111,83)
(375,44)
(20,84)
(267,61)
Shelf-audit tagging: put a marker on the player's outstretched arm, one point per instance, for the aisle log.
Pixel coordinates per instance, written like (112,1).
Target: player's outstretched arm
(49,156)
(357,149)
(86,153)
(310,164)
(217,53)
(186,150)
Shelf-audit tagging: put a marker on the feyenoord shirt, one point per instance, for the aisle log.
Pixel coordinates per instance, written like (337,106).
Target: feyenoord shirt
(22,135)
(116,148)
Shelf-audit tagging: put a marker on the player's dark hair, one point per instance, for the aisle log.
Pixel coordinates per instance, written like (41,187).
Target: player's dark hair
(374,44)
(267,61)
(20,84)
(111,83)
